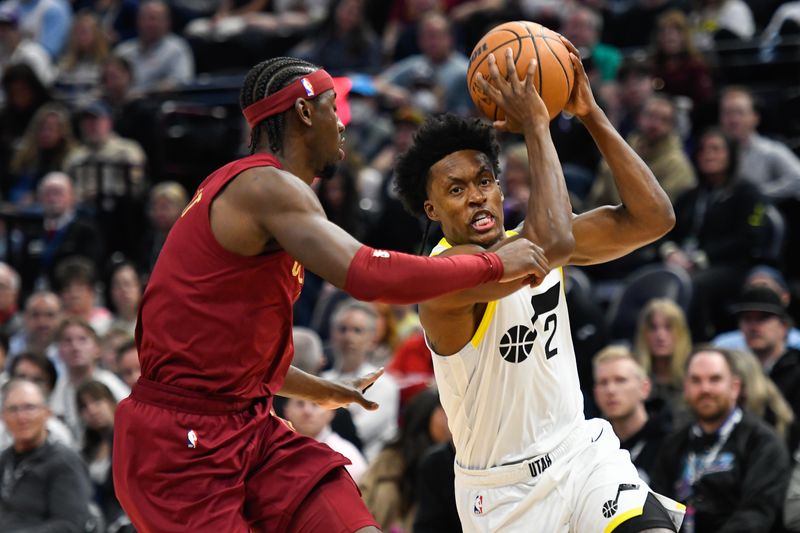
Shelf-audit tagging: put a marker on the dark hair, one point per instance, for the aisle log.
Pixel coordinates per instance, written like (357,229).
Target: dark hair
(114,267)
(730,144)
(93,438)
(266,78)
(437,138)
(414,438)
(75,269)
(38,360)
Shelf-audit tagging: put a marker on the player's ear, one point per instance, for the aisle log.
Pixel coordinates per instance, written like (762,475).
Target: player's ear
(303,109)
(430,211)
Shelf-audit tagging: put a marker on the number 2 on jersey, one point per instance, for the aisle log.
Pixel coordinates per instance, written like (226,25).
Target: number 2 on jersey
(544,303)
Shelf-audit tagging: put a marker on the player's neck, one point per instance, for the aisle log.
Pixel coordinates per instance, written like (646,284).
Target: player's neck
(628,426)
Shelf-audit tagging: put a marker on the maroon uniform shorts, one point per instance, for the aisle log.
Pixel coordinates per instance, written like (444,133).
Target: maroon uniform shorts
(184,461)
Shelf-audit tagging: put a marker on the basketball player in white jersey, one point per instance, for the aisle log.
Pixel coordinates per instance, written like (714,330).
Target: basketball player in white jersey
(526,459)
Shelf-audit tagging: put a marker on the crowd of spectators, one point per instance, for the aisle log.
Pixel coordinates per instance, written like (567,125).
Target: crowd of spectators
(113,111)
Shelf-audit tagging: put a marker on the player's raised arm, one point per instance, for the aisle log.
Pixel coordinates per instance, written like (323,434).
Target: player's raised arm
(548,217)
(645,213)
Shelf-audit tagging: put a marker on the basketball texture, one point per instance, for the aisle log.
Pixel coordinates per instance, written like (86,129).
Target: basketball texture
(554,76)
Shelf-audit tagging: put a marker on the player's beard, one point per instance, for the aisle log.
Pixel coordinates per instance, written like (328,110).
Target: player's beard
(328,171)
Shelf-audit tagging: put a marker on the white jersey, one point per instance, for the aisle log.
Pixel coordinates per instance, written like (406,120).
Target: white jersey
(512,392)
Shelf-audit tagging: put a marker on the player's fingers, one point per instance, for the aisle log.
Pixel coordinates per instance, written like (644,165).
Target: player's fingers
(488,89)
(530,74)
(365,382)
(366,404)
(511,70)
(569,45)
(494,74)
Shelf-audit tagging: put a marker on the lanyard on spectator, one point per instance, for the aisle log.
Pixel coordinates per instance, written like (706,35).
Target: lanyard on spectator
(693,473)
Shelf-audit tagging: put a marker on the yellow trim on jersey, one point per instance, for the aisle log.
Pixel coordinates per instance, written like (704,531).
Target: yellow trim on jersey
(680,507)
(488,315)
(637,511)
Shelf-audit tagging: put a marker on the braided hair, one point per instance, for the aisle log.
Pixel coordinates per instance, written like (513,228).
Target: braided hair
(266,78)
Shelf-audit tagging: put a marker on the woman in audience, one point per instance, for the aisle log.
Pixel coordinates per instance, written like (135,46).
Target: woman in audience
(46,145)
(676,61)
(663,343)
(717,233)
(124,292)
(760,395)
(79,70)
(97,406)
(389,485)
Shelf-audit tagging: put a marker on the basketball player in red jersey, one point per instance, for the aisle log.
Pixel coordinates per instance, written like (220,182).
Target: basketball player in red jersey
(196,447)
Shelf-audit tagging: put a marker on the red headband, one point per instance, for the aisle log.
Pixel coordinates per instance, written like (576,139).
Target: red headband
(309,86)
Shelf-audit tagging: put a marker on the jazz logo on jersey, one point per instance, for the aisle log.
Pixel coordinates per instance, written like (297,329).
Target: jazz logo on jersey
(477,507)
(192,438)
(307,86)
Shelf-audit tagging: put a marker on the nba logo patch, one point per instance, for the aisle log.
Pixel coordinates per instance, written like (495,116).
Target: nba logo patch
(307,86)
(477,507)
(192,438)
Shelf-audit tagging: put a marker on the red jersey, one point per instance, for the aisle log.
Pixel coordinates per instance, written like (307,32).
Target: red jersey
(212,320)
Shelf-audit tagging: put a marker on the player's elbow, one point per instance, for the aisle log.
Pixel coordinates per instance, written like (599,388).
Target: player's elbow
(666,219)
(560,250)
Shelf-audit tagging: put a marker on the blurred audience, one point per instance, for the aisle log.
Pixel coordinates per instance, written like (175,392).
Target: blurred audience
(161,60)
(353,326)
(45,485)
(128,367)
(313,421)
(765,276)
(621,389)
(76,282)
(39,370)
(760,396)
(41,317)
(123,295)
(47,145)
(10,285)
(79,348)
(766,163)
(663,343)
(728,467)
(45,21)
(79,68)
(388,486)
(97,406)
(716,237)
(657,142)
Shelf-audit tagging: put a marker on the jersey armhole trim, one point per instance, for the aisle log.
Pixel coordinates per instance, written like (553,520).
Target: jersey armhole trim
(627,515)
(488,315)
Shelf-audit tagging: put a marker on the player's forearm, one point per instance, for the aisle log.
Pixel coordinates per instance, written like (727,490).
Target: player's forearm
(548,220)
(645,201)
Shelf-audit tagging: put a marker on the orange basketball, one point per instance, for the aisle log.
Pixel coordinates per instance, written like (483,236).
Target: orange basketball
(528,40)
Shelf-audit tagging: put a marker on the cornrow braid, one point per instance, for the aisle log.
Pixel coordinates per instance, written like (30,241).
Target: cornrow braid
(266,78)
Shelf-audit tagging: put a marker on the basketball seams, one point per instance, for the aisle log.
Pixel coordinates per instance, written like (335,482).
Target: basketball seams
(500,38)
(558,59)
(538,60)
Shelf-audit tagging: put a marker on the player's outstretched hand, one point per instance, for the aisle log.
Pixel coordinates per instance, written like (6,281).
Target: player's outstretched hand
(581,102)
(523,259)
(352,391)
(517,98)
